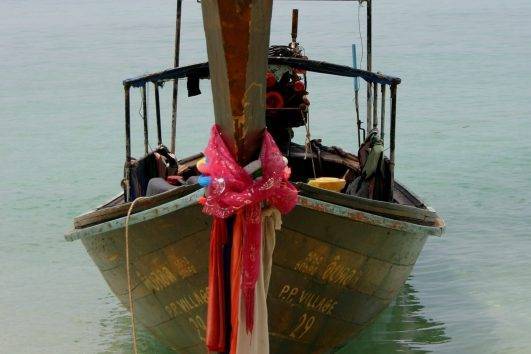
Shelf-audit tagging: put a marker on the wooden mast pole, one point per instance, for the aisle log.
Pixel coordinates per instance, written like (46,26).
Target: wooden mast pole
(176,82)
(237,37)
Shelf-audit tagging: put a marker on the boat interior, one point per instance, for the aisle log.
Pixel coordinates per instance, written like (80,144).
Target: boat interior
(329,162)
(366,179)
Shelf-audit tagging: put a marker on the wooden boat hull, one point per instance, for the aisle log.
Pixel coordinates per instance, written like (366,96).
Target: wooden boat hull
(334,270)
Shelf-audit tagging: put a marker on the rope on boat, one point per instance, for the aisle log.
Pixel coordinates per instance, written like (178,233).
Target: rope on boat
(129,287)
(308,144)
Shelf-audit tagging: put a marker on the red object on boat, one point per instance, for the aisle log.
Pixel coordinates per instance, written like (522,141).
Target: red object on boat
(174,180)
(274,100)
(216,333)
(202,201)
(298,86)
(271,80)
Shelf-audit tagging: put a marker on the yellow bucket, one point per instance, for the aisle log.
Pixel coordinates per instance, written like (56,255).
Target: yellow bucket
(328,183)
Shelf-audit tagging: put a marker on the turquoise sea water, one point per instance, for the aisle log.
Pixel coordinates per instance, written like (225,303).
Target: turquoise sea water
(464,145)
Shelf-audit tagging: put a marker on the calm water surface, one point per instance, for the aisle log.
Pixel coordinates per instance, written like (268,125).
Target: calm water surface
(463,144)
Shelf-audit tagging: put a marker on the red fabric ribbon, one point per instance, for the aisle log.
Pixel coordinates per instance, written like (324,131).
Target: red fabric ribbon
(216,292)
(233,189)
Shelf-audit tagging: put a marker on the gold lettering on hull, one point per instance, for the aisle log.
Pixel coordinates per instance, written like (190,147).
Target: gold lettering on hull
(336,272)
(310,264)
(158,279)
(199,326)
(304,324)
(161,277)
(187,303)
(312,301)
(185,268)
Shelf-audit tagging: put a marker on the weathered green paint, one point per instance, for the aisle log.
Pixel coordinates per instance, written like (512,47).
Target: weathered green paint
(334,269)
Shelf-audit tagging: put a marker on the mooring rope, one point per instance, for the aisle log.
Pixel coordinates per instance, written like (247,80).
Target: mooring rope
(129,287)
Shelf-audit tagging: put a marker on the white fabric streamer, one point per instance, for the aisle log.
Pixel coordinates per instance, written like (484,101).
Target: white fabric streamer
(258,341)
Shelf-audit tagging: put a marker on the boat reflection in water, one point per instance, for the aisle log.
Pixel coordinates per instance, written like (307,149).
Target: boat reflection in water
(402,327)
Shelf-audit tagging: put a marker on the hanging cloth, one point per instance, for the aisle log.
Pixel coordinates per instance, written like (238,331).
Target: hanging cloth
(233,191)
(258,341)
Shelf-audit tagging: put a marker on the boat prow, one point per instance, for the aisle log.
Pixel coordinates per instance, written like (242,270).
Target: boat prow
(338,261)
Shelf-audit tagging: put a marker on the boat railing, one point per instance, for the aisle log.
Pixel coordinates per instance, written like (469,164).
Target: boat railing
(376,119)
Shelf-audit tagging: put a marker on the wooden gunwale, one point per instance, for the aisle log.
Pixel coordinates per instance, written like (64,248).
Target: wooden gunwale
(401,212)
(368,218)
(307,202)
(414,214)
(97,216)
(139,217)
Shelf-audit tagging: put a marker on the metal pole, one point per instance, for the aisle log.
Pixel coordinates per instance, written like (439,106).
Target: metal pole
(392,141)
(358,121)
(375,107)
(382,114)
(294,27)
(127,171)
(356,93)
(176,81)
(369,35)
(369,63)
(157,109)
(145,119)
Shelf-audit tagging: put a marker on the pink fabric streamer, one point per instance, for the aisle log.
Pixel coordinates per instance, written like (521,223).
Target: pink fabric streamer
(232,189)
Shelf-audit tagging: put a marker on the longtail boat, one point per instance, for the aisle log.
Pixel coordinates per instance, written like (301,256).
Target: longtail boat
(341,255)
